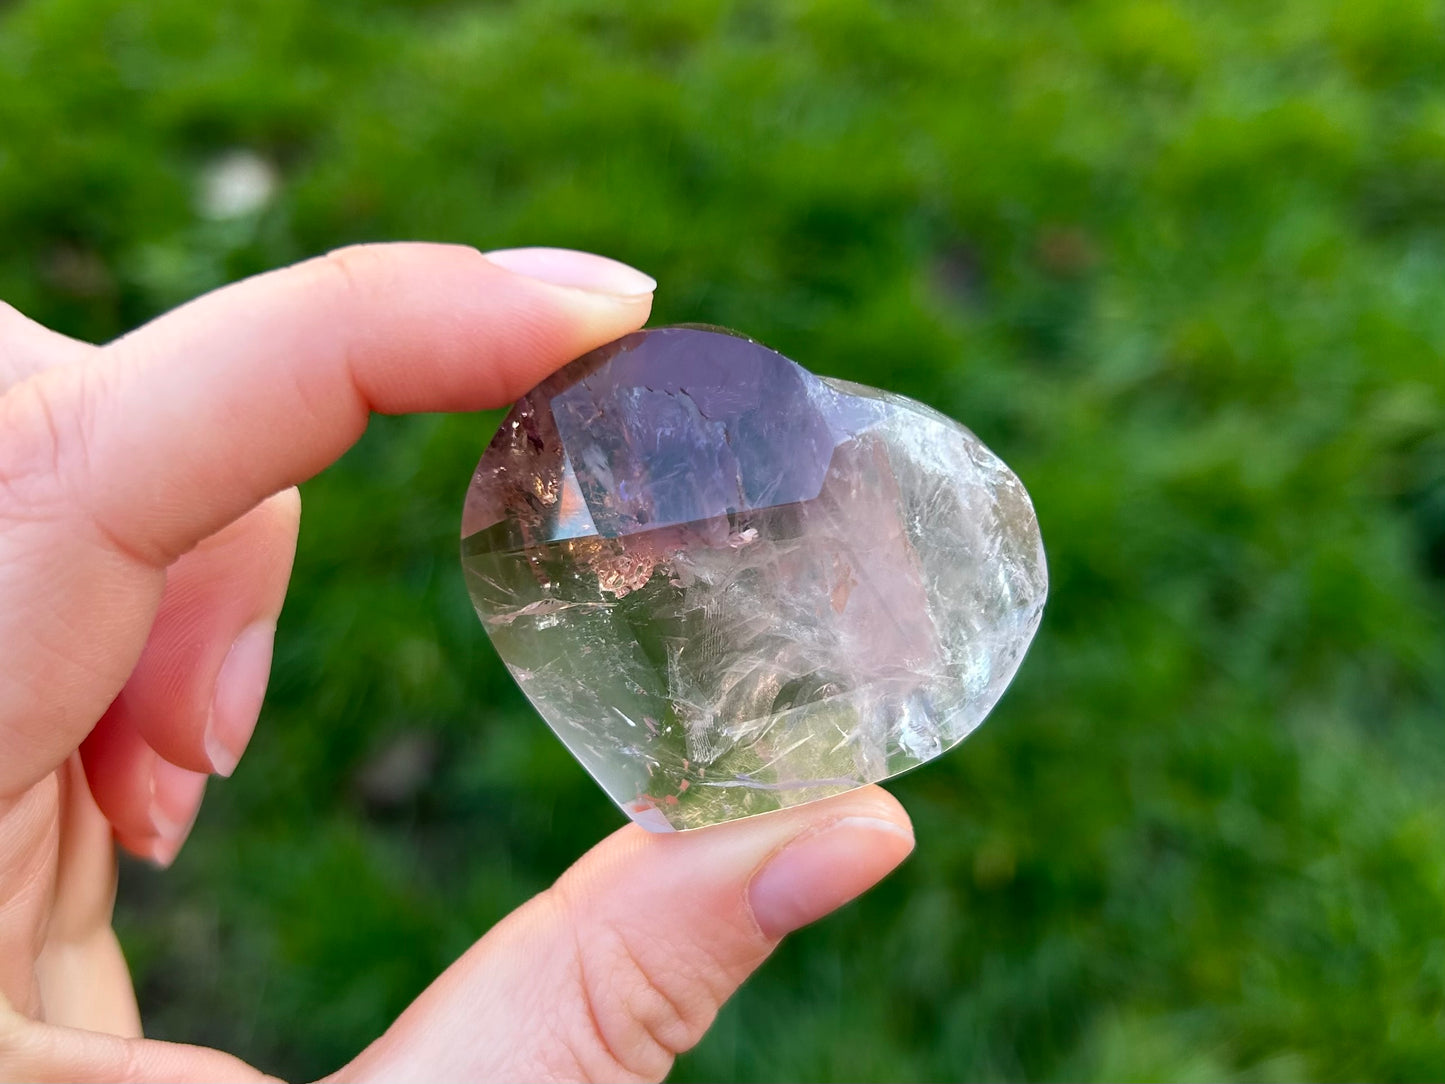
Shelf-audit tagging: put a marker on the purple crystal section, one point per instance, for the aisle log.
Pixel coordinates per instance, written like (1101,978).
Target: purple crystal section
(730,585)
(670,426)
(682,425)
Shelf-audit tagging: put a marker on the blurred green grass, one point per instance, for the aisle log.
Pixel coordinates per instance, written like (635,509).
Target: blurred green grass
(1179,263)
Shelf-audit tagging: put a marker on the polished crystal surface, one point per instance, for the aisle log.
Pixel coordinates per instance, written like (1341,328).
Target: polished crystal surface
(730,585)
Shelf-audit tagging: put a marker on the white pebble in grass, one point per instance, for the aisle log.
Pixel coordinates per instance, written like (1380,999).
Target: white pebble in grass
(235,184)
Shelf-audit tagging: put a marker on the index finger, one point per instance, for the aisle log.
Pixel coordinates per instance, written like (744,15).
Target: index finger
(111,468)
(257,387)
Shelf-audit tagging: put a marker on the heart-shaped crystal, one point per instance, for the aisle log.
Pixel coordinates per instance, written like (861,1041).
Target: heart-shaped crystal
(730,585)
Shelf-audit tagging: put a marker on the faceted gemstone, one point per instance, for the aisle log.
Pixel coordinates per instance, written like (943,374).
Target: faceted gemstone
(731,586)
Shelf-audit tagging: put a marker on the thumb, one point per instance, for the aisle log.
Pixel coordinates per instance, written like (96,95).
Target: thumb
(626,960)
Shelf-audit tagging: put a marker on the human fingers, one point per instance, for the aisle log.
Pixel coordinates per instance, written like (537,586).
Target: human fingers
(110,471)
(150,803)
(297,360)
(605,976)
(626,960)
(34,1051)
(80,976)
(195,694)
(191,704)
(27,348)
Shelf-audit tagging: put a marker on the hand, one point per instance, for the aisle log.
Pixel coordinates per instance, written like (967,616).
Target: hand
(147,527)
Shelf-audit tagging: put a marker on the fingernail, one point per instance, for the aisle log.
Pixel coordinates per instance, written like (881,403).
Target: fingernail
(821,871)
(579,270)
(236,702)
(175,800)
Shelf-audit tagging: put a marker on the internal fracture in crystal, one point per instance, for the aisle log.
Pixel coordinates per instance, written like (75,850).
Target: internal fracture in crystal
(730,585)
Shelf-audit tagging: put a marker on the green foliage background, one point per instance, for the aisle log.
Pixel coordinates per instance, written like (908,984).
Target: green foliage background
(1179,263)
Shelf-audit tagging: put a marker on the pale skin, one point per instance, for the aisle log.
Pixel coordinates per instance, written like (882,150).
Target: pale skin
(148,519)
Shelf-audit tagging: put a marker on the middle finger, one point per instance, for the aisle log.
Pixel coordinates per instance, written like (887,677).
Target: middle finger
(194,697)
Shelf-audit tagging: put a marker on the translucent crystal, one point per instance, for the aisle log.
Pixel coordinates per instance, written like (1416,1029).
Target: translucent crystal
(731,586)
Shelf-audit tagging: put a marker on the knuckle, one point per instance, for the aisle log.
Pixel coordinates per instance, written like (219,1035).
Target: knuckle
(343,284)
(644,1004)
(346,270)
(48,429)
(42,445)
